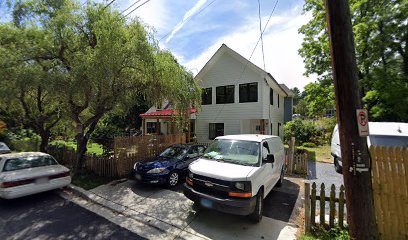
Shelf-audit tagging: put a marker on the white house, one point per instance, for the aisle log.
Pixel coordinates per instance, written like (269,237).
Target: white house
(159,120)
(238,98)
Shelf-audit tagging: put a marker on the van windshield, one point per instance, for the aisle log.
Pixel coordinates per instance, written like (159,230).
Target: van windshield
(234,151)
(389,141)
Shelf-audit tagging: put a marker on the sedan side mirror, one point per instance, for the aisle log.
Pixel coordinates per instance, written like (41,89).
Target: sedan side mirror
(270,158)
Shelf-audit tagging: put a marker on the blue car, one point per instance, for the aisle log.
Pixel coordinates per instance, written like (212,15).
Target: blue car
(169,166)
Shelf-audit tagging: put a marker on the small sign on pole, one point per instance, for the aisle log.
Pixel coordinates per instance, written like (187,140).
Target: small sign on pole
(362,122)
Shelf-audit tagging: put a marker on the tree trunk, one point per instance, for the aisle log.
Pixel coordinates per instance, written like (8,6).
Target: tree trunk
(82,139)
(45,137)
(82,142)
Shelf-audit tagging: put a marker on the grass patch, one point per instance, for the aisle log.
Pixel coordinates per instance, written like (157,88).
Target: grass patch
(88,180)
(319,153)
(320,233)
(93,148)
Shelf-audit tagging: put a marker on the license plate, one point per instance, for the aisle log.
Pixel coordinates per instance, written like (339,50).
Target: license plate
(138,177)
(206,203)
(41,180)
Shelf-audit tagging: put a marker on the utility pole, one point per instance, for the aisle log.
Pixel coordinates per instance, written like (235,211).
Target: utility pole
(355,157)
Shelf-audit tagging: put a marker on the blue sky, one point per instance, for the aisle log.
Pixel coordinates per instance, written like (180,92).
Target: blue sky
(233,22)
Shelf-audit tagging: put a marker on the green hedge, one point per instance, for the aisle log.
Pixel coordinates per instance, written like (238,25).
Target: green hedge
(309,132)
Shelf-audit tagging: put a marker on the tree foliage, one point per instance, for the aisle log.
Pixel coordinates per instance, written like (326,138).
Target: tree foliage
(103,61)
(319,97)
(27,83)
(381,35)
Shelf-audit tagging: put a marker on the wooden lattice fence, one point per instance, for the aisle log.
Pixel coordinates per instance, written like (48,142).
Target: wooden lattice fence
(129,150)
(104,166)
(390,190)
(315,206)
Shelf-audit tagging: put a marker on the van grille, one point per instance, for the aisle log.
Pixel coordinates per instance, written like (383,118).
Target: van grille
(218,188)
(213,180)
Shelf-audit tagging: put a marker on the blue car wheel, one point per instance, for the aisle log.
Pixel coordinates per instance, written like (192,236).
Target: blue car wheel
(173,179)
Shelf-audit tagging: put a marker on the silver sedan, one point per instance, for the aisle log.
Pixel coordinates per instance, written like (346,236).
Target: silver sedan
(23,174)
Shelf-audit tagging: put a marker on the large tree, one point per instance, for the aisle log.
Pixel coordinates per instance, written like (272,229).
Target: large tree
(26,83)
(106,60)
(381,37)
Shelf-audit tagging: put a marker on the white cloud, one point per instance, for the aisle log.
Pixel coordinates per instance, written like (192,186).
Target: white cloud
(187,15)
(154,13)
(281,44)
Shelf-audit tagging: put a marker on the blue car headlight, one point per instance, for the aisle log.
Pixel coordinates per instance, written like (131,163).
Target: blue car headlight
(158,170)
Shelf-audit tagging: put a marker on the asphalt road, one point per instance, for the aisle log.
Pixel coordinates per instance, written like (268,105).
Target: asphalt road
(48,216)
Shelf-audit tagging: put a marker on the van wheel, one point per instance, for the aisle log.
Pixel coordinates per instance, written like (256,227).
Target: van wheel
(280,182)
(337,166)
(256,216)
(173,179)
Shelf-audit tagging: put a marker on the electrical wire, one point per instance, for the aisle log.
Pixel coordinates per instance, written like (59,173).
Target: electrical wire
(137,7)
(260,30)
(109,4)
(130,6)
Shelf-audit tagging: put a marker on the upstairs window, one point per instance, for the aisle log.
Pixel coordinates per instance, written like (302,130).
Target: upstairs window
(225,94)
(248,92)
(278,100)
(206,96)
(216,129)
(271,96)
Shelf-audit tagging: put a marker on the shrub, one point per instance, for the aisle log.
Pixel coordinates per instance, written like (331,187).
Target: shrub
(23,141)
(309,145)
(317,132)
(302,130)
(326,126)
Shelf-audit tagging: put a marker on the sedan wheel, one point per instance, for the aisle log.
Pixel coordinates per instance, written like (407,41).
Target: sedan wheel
(173,179)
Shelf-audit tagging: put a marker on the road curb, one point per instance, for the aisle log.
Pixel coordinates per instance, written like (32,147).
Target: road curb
(124,211)
(96,199)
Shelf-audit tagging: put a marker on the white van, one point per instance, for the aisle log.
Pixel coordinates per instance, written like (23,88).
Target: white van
(236,173)
(381,134)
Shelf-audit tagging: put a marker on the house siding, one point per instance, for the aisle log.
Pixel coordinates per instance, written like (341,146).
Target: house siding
(288,109)
(227,70)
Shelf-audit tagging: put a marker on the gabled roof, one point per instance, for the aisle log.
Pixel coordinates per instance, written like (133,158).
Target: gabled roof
(224,48)
(287,90)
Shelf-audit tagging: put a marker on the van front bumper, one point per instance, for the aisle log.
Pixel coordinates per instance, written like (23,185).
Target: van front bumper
(228,205)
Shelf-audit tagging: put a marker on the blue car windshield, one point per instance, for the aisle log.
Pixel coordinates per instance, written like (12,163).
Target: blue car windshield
(174,152)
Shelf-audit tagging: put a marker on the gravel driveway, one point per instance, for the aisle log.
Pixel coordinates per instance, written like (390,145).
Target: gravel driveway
(324,173)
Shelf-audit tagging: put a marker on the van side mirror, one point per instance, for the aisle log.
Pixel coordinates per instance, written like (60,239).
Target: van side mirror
(270,158)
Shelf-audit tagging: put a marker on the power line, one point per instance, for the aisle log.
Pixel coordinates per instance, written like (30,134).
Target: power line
(260,30)
(137,7)
(130,6)
(248,60)
(109,4)
(187,19)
